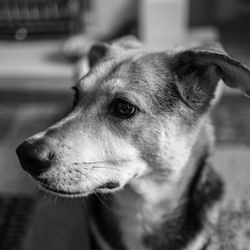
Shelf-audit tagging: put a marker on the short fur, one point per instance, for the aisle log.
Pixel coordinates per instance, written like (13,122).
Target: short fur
(155,165)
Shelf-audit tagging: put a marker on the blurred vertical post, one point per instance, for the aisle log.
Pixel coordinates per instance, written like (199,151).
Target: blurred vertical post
(163,23)
(108,16)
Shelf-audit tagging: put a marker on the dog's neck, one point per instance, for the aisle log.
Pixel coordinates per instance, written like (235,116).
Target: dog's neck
(154,214)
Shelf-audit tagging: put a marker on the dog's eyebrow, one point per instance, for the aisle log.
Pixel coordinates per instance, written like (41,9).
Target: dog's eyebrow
(114,83)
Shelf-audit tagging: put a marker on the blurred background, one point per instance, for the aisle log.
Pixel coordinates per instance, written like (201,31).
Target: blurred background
(42,43)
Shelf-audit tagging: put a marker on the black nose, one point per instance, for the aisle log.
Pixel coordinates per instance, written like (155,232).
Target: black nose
(35,157)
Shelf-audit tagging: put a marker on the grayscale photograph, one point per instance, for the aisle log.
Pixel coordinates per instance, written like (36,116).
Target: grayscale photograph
(124,124)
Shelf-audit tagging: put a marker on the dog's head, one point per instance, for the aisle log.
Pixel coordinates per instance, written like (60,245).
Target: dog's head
(135,113)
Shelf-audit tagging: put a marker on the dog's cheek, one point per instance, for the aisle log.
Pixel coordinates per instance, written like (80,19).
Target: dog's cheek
(180,139)
(121,160)
(175,154)
(145,139)
(164,145)
(130,164)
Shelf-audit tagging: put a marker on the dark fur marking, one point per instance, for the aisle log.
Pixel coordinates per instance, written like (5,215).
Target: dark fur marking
(204,190)
(106,221)
(93,244)
(146,140)
(162,86)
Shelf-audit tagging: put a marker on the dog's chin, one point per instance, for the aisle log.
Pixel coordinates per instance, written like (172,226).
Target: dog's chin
(108,187)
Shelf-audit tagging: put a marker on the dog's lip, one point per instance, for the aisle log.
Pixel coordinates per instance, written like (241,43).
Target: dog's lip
(108,187)
(61,192)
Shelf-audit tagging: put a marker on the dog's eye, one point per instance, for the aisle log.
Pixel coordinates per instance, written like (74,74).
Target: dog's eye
(123,109)
(76,95)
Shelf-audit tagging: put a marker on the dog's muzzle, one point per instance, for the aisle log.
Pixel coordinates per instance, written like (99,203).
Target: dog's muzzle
(35,156)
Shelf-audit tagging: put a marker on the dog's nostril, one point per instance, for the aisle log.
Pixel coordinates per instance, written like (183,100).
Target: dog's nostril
(35,157)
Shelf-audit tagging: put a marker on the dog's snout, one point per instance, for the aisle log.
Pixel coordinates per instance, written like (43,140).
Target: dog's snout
(35,157)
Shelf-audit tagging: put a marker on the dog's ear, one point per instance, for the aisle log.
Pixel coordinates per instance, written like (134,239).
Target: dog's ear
(100,50)
(200,68)
(127,42)
(97,52)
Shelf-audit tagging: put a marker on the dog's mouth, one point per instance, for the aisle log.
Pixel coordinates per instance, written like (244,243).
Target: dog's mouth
(109,185)
(106,188)
(60,192)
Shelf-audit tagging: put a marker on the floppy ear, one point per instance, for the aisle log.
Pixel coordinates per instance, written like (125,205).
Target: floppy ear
(127,42)
(101,50)
(97,52)
(200,68)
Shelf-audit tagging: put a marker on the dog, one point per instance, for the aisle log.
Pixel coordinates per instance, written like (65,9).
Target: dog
(140,132)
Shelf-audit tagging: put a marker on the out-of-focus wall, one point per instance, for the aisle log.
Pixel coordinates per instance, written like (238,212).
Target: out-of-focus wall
(202,12)
(109,15)
(207,12)
(226,10)
(163,23)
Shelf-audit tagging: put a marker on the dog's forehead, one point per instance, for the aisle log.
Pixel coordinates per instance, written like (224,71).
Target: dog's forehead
(138,72)
(145,77)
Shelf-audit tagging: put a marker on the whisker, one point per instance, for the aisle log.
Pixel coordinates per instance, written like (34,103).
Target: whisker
(103,202)
(108,167)
(83,201)
(99,181)
(100,167)
(97,162)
